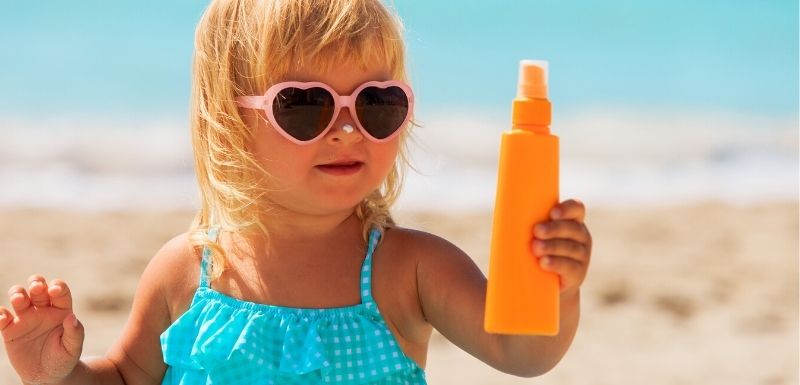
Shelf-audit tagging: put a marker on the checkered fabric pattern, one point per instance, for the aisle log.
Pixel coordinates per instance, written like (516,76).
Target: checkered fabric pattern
(222,340)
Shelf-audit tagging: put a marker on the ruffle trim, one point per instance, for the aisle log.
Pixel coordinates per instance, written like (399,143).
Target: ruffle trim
(227,340)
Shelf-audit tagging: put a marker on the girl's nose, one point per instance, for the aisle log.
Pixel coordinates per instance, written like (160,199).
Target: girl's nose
(344,129)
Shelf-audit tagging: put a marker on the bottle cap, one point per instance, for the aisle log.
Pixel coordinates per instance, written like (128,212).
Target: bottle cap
(532,79)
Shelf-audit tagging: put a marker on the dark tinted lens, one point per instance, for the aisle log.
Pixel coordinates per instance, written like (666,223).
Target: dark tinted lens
(303,114)
(381,110)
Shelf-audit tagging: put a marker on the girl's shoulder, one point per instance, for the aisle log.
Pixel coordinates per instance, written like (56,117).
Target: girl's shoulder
(162,290)
(412,243)
(418,257)
(396,285)
(176,268)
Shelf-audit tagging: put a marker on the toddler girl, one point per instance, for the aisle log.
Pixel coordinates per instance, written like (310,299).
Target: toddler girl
(293,271)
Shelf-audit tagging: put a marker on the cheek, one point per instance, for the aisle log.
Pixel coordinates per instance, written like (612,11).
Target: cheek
(281,159)
(385,156)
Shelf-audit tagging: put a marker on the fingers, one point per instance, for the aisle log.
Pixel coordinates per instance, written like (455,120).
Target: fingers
(562,248)
(565,229)
(60,295)
(19,299)
(567,258)
(37,289)
(564,244)
(566,236)
(40,294)
(6,318)
(571,209)
(570,271)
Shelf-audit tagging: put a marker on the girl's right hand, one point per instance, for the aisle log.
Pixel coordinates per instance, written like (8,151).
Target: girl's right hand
(44,340)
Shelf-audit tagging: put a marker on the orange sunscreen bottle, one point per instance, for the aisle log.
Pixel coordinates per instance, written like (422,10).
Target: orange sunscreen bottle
(521,297)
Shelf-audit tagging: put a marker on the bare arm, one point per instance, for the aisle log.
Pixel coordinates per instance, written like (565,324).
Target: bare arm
(93,371)
(530,356)
(135,359)
(137,354)
(452,292)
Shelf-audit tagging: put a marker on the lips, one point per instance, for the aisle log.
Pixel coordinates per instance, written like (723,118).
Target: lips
(341,167)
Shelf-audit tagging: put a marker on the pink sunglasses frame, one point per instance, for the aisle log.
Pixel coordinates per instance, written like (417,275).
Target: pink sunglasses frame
(265,103)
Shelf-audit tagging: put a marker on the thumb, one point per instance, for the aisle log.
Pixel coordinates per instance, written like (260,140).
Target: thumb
(72,339)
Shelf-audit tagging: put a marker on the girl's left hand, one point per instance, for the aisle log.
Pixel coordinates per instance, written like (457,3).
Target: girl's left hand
(564,245)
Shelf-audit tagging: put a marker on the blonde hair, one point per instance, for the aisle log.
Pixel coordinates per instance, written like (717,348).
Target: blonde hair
(241,48)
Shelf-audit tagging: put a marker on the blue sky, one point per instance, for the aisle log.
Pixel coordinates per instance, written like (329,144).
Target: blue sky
(133,58)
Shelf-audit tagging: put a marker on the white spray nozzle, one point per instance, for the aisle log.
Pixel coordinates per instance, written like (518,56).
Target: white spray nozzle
(532,79)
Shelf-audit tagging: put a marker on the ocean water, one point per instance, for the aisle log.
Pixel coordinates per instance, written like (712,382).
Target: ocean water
(655,102)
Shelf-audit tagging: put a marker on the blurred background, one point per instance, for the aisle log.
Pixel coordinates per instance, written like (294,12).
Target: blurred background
(655,101)
(679,129)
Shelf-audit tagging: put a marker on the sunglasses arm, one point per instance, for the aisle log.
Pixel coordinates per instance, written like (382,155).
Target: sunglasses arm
(251,101)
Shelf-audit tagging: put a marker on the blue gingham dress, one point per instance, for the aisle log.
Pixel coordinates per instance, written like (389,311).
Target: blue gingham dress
(222,340)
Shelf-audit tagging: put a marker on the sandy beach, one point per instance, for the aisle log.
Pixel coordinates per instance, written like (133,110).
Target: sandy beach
(700,294)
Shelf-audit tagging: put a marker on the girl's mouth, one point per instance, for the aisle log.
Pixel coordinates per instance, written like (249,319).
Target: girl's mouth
(341,168)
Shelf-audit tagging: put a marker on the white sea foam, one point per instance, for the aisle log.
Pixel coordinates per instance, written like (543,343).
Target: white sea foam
(96,165)
(608,157)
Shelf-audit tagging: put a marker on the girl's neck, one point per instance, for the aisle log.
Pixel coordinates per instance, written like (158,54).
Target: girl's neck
(288,235)
(300,227)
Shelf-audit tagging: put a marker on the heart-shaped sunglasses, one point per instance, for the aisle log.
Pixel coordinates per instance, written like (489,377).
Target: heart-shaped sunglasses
(304,111)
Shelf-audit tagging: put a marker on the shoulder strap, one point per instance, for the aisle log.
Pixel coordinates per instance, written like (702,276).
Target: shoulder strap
(212,236)
(366,270)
